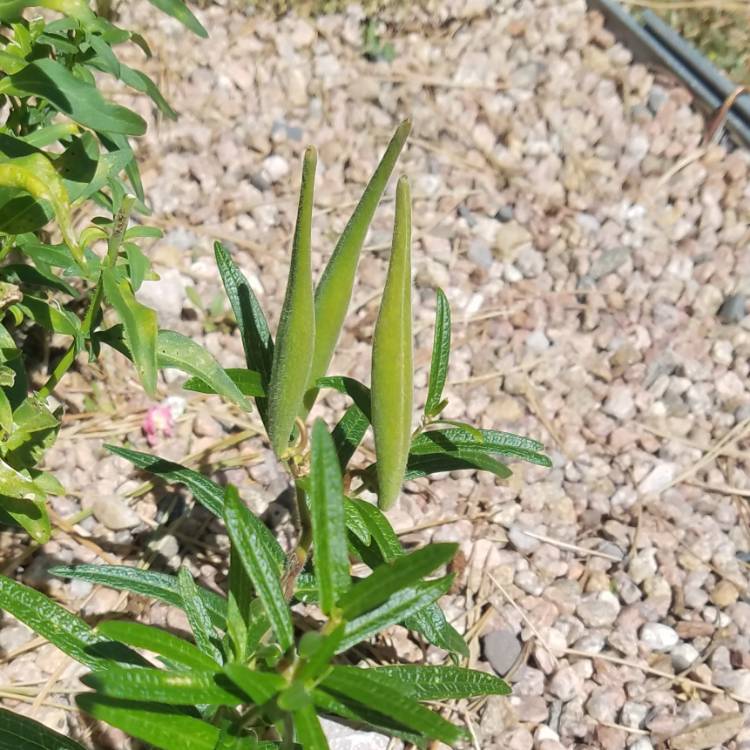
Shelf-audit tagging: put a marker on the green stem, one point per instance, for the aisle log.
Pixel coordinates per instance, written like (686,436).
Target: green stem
(90,319)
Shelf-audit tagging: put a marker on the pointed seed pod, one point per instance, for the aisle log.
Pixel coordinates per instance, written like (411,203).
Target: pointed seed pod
(392,368)
(292,356)
(334,291)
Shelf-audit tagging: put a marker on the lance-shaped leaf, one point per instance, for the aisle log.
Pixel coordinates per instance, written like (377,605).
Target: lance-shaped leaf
(80,100)
(61,628)
(34,174)
(21,733)
(161,586)
(397,608)
(392,368)
(328,525)
(161,642)
(208,493)
(259,565)
(181,352)
(427,683)
(441,349)
(249,382)
(292,356)
(157,724)
(334,291)
(372,692)
(141,327)
(259,686)
(308,729)
(462,458)
(198,617)
(391,577)
(256,337)
(179,10)
(162,686)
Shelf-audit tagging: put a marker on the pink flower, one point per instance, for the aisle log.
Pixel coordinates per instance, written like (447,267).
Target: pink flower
(159,421)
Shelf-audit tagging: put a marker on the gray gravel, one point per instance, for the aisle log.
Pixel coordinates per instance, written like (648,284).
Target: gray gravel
(595,256)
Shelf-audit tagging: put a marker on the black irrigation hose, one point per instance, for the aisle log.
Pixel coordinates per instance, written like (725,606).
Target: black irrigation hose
(654,41)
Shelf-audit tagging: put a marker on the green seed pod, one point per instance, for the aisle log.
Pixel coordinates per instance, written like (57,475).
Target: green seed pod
(292,356)
(392,369)
(334,290)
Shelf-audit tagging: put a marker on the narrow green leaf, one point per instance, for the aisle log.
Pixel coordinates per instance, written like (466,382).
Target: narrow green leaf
(317,651)
(354,521)
(308,729)
(431,623)
(249,382)
(61,628)
(256,337)
(80,100)
(260,566)
(209,494)
(157,641)
(261,687)
(422,465)
(392,367)
(361,687)
(485,441)
(358,392)
(174,688)
(334,291)
(197,615)
(162,726)
(441,349)
(327,511)
(239,601)
(181,352)
(391,577)
(160,586)
(141,327)
(399,606)
(177,9)
(21,733)
(348,434)
(425,683)
(295,338)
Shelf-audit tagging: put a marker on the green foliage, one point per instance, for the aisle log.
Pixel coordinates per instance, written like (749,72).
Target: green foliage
(63,147)
(252,674)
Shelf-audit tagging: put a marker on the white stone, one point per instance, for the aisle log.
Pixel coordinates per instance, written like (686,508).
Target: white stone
(341,737)
(598,610)
(658,478)
(658,637)
(684,656)
(620,403)
(276,167)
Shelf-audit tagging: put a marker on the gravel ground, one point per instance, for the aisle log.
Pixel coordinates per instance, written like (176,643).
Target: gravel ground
(594,253)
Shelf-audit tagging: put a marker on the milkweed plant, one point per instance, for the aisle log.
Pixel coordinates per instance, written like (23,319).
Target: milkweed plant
(255,674)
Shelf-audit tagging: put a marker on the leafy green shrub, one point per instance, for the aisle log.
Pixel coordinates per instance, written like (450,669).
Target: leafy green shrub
(253,677)
(65,149)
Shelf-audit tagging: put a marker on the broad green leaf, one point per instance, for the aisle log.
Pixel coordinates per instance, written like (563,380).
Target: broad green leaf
(179,10)
(30,514)
(138,264)
(426,683)
(141,327)
(34,174)
(159,725)
(295,337)
(327,511)
(51,134)
(441,349)
(178,351)
(80,100)
(6,416)
(399,606)
(61,628)
(261,687)
(308,729)
(261,567)
(161,686)
(160,586)
(197,615)
(256,337)
(391,577)
(392,366)
(10,357)
(334,291)
(209,494)
(249,382)
(158,641)
(20,274)
(360,687)
(485,441)
(50,316)
(431,623)
(21,733)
